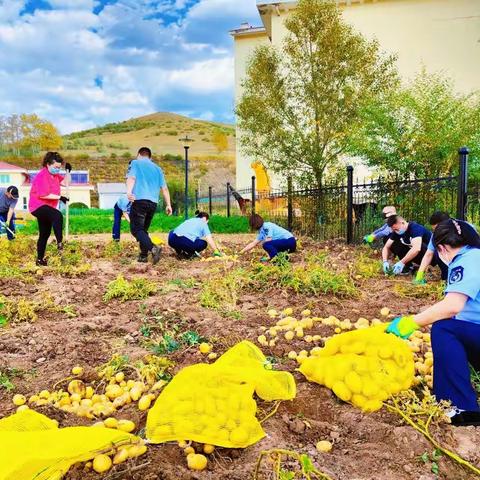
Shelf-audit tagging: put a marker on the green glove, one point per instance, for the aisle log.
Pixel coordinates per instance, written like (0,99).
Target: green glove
(217,253)
(369,238)
(403,327)
(420,279)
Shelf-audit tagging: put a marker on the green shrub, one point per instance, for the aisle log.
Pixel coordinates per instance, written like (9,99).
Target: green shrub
(137,289)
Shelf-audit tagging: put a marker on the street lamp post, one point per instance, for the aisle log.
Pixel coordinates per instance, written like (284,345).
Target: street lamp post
(186,146)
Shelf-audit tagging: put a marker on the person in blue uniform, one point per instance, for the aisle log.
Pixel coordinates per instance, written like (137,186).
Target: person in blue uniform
(409,240)
(431,256)
(455,324)
(192,237)
(272,237)
(120,210)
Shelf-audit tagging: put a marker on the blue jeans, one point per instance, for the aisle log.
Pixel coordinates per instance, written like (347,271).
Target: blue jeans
(274,247)
(11,226)
(183,245)
(117,222)
(455,344)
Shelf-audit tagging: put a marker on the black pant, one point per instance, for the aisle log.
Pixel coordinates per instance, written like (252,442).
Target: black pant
(185,245)
(141,216)
(48,218)
(400,250)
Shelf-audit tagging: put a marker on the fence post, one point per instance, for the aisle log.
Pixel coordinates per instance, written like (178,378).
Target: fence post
(349,204)
(196,199)
(290,203)
(228,199)
(254,195)
(210,200)
(462,183)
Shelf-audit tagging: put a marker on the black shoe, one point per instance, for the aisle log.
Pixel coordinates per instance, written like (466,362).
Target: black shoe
(156,252)
(41,262)
(60,247)
(142,259)
(116,239)
(466,419)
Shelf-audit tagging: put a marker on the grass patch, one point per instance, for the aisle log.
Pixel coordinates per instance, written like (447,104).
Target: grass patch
(434,290)
(124,290)
(100,221)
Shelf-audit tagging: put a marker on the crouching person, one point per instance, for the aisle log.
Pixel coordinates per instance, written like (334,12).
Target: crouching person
(455,324)
(192,237)
(272,237)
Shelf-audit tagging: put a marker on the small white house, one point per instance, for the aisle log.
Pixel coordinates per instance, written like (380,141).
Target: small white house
(109,193)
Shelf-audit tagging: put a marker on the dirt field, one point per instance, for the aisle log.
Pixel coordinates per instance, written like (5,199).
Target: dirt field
(366,447)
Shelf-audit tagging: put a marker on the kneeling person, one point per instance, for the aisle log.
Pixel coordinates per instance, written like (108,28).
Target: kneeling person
(192,237)
(272,237)
(455,323)
(408,241)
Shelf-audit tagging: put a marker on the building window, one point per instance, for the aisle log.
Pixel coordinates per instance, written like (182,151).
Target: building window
(25,203)
(4,178)
(79,177)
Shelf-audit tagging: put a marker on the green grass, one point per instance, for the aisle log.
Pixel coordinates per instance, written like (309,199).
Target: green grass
(100,221)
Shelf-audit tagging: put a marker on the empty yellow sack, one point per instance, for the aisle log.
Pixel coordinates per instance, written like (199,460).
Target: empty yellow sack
(214,403)
(363,367)
(34,448)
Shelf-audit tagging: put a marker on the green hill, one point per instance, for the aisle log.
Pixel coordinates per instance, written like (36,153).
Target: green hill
(106,150)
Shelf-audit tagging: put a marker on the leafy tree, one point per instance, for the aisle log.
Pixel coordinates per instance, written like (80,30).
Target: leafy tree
(301,101)
(28,133)
(220,140)
(418,129)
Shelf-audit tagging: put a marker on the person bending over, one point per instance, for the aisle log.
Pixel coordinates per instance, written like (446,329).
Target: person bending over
(8,202)
(384,231)
(192,237)
(120,210)
(272,237)
(431,256)
(455,324)
(408,241)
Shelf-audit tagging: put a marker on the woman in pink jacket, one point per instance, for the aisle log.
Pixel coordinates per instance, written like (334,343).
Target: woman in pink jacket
(43,204)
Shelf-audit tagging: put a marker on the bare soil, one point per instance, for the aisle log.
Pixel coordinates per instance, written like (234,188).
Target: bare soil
(366,447)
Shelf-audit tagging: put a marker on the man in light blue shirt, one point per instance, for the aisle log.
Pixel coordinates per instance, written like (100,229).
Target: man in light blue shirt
(121,209)
(145,180)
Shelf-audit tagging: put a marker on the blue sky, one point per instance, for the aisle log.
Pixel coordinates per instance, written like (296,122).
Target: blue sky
(82,63)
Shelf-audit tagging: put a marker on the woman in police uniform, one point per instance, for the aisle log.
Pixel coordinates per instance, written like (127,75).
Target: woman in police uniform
(455,324)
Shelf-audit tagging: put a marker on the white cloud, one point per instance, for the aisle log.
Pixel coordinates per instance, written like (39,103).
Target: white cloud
(147,59)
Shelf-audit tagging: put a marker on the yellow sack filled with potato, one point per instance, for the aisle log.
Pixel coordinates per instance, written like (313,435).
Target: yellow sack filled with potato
(32,447)
(362,367)
(214,403)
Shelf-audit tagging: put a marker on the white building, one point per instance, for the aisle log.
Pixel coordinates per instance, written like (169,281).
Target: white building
(79,191)
(109,193)
(442,35)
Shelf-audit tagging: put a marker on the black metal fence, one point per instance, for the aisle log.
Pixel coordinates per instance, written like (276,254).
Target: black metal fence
(352,209)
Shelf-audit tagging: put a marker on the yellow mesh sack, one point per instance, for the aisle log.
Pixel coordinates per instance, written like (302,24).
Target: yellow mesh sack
(214,403)
(34,448)
(363,367)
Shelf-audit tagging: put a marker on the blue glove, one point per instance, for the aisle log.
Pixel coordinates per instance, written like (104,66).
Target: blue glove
(398,268)
(386,267)
(403,327)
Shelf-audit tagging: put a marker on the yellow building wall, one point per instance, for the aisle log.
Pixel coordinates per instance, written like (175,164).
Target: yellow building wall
(442,35)
(244,48)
